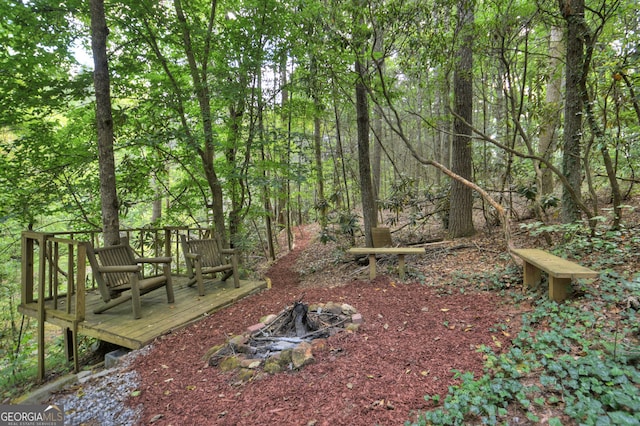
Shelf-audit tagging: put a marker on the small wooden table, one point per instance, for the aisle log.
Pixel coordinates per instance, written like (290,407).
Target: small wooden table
(399,251)
(561,271)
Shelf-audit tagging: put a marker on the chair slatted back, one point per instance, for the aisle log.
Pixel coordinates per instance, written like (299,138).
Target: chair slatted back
(116,256)
(208,249)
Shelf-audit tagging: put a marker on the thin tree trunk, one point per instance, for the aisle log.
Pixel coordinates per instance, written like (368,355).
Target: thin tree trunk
(104,121)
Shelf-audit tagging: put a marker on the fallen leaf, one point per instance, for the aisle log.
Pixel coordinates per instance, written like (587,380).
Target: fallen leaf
(444,309)
(135,393)
(496,342)
(156,418)
(350,385)
(191,387)
(424,373)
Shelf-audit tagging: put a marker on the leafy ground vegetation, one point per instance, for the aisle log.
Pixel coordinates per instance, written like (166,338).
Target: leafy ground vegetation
(570,363)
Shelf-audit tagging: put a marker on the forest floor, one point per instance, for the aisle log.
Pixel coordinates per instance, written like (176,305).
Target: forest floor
(412,337)
(416,336)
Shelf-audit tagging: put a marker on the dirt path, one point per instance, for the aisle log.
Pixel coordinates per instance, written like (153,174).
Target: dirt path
(412,338)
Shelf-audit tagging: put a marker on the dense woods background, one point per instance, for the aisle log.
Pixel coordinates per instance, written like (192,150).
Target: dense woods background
(249,116)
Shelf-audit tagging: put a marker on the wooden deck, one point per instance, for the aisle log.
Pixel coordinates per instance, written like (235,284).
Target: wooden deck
(158,318)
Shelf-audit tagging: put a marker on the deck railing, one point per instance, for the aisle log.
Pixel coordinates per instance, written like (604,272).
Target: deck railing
(54,270)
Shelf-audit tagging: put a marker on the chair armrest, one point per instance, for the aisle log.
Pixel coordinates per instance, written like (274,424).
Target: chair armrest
(120,268)
(154,260)
(229,251)
(194,256)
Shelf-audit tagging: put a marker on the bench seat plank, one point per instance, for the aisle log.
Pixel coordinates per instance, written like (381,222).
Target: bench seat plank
(557,266)
(561,271)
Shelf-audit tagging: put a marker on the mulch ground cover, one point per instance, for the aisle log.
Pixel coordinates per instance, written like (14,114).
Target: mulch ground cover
(413,338)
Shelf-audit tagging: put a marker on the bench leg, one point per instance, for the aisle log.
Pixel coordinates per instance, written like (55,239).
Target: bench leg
(532,275)
(559,288)
(401,266)
(372,266)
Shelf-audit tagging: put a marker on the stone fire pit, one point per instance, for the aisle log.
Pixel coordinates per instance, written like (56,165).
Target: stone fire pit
(285,341)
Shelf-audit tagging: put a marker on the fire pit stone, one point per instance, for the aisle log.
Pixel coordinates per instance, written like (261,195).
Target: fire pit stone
(284,341)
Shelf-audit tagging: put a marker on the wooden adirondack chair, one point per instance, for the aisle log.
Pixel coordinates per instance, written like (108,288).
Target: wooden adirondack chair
(119,276)
(204,257)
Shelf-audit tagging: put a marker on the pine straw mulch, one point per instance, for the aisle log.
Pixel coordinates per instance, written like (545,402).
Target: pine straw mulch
(414,334)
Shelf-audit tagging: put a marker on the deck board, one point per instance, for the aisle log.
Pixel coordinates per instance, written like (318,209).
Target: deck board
(118,326)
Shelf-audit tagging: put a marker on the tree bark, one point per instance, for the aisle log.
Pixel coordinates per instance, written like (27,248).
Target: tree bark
(321,202)
(364,164)
(553,101)
(104,122)
(573,13)
(461,198)
(202,92)
(376,160)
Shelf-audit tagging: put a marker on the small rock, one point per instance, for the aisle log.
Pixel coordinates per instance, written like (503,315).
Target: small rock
(348,309)
(255,327)
(229,363)
(240,339)
(333,308)
(212,351)
(318,344)
(302,355)
(268,319)
(357,318)
(352,327)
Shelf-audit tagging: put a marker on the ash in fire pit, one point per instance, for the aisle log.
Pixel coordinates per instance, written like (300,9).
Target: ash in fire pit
(286,340)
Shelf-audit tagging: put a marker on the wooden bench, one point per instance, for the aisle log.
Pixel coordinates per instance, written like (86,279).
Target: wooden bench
(560,271)
(399,251)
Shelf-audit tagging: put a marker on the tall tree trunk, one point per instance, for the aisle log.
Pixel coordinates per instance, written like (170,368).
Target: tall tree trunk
(104,121)
(362,120)
(321,203)
(364,165)
(461,202)
(573,13)
(376,160)
(201,87)
(551,120)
